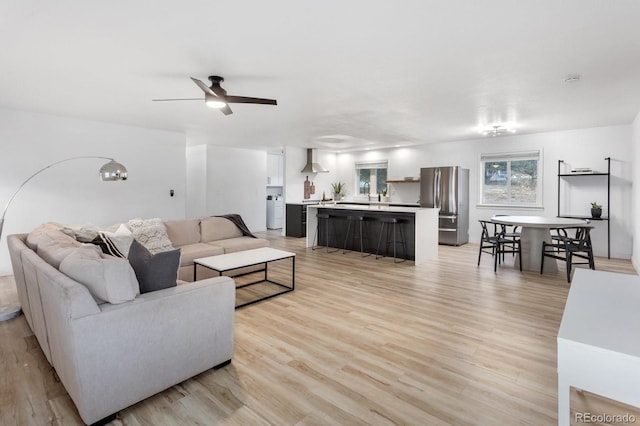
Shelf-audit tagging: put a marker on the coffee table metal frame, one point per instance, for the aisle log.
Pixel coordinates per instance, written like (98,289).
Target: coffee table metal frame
(238,260)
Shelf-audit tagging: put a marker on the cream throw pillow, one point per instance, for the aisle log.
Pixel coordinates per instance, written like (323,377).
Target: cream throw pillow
(151,233)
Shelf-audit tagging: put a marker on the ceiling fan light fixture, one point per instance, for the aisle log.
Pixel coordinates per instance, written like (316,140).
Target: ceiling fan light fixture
(215,103)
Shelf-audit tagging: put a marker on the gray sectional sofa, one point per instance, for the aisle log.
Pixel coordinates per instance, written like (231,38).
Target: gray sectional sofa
(110,345)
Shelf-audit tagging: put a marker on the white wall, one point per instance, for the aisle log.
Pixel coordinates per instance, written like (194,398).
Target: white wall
(295,159)
(635,158)
(579,148)
(196,181)
(71,192)
(235,183)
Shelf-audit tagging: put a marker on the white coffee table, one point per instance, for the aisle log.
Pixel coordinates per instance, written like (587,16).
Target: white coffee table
(242,259)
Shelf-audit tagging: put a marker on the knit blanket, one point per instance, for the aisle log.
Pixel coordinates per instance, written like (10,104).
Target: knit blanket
(237,220)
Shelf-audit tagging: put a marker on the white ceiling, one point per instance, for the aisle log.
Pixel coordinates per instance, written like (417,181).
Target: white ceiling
(346,74)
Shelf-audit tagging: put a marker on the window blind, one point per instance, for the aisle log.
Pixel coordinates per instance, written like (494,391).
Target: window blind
(371,165)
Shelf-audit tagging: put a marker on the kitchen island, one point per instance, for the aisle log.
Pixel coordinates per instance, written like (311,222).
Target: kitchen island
(420,227)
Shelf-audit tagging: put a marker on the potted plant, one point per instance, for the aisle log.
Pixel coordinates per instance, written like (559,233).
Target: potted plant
(596,210)
(338,190)
(384,195)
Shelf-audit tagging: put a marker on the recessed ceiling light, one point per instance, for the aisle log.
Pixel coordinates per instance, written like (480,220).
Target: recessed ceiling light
(497,130)
(572,78)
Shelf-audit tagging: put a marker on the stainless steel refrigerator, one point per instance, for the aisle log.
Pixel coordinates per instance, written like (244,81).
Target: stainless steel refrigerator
(447,188)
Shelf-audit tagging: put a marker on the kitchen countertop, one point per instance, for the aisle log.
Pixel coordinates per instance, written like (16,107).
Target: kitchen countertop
(305,202)
(373,207)
(390,203)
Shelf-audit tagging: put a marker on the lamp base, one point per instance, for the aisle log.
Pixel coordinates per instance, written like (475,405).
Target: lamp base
(8,312)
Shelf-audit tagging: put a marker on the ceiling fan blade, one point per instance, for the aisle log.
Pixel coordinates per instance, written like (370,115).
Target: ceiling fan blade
(182,99)
(226,110)
(203,86)
(248,100)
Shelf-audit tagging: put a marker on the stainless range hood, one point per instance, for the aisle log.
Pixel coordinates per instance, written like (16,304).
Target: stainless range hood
(312,166)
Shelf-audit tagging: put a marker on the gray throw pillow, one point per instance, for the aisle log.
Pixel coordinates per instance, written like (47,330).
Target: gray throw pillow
(154,271)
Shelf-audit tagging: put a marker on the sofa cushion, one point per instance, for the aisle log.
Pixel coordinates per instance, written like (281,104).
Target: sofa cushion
(154,271)
(108,279)
(151,233)
(232,245)
(218,228)
(54,246)
(34,236)
(183,232)
(196,251)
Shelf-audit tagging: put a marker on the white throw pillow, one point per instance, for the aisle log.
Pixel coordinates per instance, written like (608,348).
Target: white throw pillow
(108,279)
(152,234)
(122,239)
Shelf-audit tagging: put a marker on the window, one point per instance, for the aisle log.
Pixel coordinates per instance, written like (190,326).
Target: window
(371,177)
(511,179)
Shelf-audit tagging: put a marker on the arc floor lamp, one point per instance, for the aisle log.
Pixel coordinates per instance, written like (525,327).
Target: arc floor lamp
(110,172)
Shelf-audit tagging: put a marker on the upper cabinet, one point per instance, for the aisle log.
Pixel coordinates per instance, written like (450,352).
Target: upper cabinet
(275,170)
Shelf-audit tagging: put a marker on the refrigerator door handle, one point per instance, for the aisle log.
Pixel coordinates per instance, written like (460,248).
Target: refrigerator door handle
(436,189)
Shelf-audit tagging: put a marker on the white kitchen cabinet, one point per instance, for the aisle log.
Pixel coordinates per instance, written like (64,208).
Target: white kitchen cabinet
(275,170)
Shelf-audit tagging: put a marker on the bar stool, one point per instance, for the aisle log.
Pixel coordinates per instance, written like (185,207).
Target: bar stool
(392,222)
(356,236)
(327,222)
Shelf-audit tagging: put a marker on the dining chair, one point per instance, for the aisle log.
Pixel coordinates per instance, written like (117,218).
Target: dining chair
(566,246)
(510,232)
(498,244)
(558,235)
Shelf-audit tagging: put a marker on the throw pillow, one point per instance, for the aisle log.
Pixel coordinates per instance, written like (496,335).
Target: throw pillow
(115,243)
(154,271)
(107,278)
(107,246)
(151,233)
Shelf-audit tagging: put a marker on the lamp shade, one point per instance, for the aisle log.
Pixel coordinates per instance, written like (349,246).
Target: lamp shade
(113,171)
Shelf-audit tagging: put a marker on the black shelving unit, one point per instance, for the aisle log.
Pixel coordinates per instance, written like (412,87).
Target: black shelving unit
(603,218)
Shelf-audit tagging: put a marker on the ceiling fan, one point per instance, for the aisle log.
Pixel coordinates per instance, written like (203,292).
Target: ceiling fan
(216,97)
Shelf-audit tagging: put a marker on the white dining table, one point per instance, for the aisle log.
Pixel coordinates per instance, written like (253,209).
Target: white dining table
(535,230)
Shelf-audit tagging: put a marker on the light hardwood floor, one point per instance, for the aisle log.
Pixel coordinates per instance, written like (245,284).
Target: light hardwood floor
(360,341)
